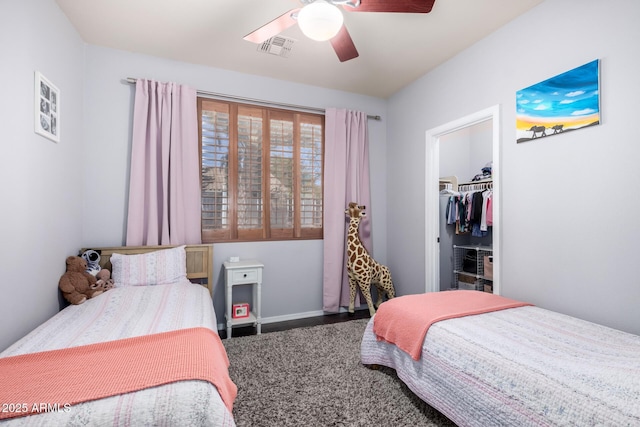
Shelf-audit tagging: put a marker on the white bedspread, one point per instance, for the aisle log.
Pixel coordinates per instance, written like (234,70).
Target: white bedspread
(122,313)
(521,367)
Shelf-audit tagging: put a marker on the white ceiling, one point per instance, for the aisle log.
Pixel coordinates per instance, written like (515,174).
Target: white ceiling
(395,48)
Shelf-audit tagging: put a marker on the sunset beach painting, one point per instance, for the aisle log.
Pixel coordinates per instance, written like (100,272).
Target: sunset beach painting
(566,102)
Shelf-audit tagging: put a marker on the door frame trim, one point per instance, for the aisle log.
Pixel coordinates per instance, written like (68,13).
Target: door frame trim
(432,212)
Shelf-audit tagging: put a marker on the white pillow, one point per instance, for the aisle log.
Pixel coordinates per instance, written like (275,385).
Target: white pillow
(152,268)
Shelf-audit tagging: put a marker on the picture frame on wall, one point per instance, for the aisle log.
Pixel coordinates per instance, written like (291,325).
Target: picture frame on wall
(46,108)
(566,102)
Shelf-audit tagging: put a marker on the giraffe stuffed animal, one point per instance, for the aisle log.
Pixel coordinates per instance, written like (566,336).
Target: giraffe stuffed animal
(362,269)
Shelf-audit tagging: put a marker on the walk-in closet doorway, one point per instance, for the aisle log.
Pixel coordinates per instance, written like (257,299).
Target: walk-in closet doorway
(434,138)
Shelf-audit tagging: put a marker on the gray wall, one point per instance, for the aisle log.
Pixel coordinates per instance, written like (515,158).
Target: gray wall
(41,181)
(465,152)
(568,204)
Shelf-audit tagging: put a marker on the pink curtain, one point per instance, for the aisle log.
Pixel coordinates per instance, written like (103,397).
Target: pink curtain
(164,183)
(346,179)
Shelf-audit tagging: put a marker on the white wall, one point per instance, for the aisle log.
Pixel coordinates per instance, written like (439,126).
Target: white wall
(455,155)
(465,152)
(568,205)
(41,190)
(293,270)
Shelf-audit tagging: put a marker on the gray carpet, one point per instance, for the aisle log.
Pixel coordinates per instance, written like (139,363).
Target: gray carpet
(313,377)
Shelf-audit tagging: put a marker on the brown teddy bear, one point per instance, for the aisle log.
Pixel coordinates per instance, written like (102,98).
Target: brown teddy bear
(76,284)
(104,279)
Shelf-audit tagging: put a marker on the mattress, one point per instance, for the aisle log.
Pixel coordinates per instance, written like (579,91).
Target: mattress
(123,313)
(523,366)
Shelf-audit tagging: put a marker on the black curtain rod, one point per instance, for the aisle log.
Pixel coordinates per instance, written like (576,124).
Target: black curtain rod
(260,102)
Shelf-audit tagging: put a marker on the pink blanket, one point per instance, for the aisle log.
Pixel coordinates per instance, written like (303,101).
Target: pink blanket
(404,321)
(37,382)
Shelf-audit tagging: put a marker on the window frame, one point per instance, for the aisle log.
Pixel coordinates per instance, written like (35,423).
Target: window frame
(267,232)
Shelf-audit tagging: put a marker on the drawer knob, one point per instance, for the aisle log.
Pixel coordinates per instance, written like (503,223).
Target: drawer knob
(245,275)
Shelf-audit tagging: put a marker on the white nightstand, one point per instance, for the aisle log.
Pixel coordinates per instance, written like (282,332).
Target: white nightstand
(246,272)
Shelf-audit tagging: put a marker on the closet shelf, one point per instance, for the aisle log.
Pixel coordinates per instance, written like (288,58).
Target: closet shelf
(449,183)
(476,247)
(469,267)
(480,181)
(473,275)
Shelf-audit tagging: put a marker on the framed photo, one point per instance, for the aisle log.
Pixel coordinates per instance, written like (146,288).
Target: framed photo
(240,311)
(564,103)
(47,108)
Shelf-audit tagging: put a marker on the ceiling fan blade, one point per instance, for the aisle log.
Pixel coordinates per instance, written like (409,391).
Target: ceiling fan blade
(274,27)
(400,6)
(343,45)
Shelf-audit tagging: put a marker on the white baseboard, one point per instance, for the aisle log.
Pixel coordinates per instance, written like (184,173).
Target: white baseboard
(293,316)
(296,316)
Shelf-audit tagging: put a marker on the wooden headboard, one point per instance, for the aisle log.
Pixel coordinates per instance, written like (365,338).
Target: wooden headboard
(199,259)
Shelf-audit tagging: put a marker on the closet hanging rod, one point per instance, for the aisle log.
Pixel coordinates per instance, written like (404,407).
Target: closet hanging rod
(260,102)
(476,186)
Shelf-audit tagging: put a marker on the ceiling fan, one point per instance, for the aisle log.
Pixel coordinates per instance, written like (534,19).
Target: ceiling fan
(322,20)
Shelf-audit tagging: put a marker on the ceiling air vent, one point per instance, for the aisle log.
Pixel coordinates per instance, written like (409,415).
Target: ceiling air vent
(277,45)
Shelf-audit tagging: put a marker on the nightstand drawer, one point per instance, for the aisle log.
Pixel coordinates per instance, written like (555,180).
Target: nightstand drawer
(249,275)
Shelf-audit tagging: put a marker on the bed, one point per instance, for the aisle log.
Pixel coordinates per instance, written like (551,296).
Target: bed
(168,331)
(514,366)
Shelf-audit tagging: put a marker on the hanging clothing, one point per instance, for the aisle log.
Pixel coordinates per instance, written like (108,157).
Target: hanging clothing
(470,211)
(490,209)
(451,212)
(485,205)
(476,232)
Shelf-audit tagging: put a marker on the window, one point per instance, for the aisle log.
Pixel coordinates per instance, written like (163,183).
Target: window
(261,172)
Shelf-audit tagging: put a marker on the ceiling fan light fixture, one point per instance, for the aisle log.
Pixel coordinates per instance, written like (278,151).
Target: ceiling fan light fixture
(320,20)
